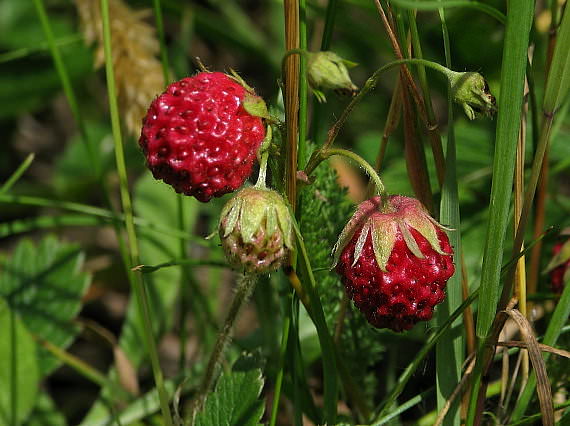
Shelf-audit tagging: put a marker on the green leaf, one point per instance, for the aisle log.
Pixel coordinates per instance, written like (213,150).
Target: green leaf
(17,355)
(44,286)
(235,401)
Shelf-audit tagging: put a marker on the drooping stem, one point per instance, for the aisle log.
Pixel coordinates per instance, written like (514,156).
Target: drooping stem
(262,177)
(244,289)
(368,86)
(370,171)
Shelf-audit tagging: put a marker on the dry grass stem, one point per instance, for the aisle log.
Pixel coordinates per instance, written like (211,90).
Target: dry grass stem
(138,72)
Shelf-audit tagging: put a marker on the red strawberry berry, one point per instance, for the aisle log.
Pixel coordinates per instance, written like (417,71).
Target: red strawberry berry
(199,137)
(394,262)
(561,266)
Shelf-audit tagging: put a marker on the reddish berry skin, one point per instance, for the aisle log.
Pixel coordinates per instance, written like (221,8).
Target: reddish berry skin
(557,274)
(409,288)
(198,137)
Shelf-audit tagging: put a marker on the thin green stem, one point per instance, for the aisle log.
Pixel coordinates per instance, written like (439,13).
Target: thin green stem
(281,370)
(136,282)
(370,171)
(83,368)
(404,407)
(303,86)
(17,174)
(40,47)
(450,349)
(66,83)
(160,31)
(368,86)
(99,212)
(244,289)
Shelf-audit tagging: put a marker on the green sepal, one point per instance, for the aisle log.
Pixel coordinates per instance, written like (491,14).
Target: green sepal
(383,240)
(255,106)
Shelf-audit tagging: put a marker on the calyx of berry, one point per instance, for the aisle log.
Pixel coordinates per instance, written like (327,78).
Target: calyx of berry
(383,222)
(471,91)
(256,230)
(327,70)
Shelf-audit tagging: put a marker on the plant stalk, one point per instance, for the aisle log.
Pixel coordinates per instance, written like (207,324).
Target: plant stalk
(136,281)
(245,287)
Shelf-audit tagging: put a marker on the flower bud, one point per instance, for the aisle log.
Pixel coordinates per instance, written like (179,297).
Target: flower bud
(256,230)
(327,70)
(471,91)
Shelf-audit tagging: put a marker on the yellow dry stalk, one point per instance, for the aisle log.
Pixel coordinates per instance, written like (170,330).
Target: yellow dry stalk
(138,72)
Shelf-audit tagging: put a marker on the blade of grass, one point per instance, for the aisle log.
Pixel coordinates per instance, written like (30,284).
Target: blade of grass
(148,269)
(6,186)
(88,210)
(66,83)
(412,402)
(303,87)
(84,369)
(281,365)
(40,47)
(137,283)
(448,4)
(508,120)
(318,317)
(450,348)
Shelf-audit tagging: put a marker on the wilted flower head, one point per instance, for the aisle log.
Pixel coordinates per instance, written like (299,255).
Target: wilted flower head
(471,91)
(327,70)
(256,230)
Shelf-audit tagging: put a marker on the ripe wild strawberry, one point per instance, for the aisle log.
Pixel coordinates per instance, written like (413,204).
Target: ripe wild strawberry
(394,262)
(256,230)
(202,134)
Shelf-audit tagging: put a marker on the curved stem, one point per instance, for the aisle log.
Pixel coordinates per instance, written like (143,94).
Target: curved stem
(368,86)
(370,171)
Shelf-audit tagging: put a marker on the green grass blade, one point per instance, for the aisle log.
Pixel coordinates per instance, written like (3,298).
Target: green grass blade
(448,4)
(40,47)
(136,280)
(558,83)
(318,317)
(29,224)
(508,122)
(450,348)
(17,174)
(412,402)
(66,83)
